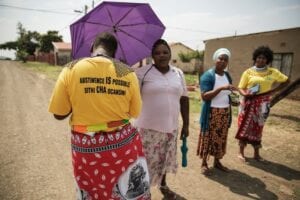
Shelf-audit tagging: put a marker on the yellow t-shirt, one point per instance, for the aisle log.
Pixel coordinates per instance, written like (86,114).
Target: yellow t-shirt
(265,79)
(97,90)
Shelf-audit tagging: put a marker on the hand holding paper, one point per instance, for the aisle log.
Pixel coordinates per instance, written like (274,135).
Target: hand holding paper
(254,89)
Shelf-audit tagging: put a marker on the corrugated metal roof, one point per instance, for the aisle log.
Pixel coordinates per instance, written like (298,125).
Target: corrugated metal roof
(62,45)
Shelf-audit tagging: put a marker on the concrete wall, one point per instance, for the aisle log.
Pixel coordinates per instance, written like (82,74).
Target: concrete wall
(177,48)
(242,47)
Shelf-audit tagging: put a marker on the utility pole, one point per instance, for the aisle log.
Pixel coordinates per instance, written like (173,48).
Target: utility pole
(93,4)
(85,9)
(81,11)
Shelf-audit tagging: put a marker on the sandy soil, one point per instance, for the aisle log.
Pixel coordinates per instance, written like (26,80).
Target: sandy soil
(36,165)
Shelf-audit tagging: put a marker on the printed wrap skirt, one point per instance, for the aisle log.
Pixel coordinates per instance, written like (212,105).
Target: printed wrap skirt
(110,165)
(214,140)
(253,113)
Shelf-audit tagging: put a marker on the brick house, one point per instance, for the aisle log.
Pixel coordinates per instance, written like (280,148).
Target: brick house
(285,44)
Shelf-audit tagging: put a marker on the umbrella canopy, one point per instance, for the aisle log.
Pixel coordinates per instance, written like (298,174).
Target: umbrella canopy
(135,26)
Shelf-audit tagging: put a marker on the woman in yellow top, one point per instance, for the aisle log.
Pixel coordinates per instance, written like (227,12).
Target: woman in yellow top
(256,87)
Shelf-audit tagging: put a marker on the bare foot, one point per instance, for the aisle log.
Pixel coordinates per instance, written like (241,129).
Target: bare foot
(205,170)
(242,158)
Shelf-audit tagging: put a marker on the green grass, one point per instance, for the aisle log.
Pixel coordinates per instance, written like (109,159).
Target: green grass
(191,79)
(50,71)
(195,102)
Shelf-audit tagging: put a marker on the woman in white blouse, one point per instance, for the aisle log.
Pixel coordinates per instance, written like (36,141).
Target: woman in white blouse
(164,96)
(215,85)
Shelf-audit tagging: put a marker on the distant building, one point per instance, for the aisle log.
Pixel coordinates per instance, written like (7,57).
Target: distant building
(285,44)
(62,52)
(187,67)
(176,49)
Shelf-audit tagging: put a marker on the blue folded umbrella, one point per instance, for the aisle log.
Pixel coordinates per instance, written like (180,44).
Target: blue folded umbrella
(184,150)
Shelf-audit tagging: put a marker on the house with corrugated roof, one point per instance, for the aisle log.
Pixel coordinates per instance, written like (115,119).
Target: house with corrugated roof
(62,52)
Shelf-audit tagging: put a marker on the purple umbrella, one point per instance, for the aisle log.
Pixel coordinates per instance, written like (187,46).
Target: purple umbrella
(135,26)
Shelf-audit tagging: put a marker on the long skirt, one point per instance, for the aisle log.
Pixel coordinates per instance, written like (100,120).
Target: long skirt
(214,141)
(253,112)
(160,149)
(110,165)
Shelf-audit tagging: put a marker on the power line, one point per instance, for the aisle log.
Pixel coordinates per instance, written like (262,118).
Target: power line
(69,23)
(37,10)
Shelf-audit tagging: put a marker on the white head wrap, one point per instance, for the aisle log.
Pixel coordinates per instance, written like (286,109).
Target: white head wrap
(221,51)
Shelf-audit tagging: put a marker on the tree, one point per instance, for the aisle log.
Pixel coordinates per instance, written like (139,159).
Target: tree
(187,57)
(9,45)
(25,44)
(47,39)
(28,41)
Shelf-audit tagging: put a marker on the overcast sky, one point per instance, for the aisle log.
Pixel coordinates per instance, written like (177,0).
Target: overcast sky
(186,21)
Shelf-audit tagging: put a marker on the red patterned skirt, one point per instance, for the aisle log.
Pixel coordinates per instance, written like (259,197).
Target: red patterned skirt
(110,165)
(214,140)
(253,113)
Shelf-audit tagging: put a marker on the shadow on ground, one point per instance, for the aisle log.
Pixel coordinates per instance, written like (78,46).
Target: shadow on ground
(243,184)
(276,169)
(288,117)
(171,195)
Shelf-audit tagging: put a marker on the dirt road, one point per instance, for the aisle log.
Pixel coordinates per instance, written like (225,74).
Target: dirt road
(36,165)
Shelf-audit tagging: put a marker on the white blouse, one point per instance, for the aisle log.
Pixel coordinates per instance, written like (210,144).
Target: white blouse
(161,95)
(221,100)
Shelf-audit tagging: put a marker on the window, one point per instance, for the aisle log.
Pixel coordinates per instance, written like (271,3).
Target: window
(283,62)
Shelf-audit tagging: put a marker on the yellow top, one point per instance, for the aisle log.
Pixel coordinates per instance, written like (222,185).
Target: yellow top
(98,90)
(265,79)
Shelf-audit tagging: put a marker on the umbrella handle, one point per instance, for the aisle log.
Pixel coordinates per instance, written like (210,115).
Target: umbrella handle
(184,151)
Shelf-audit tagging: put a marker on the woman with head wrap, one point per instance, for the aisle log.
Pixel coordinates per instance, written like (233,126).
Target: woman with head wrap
(216,86)
(256,86)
